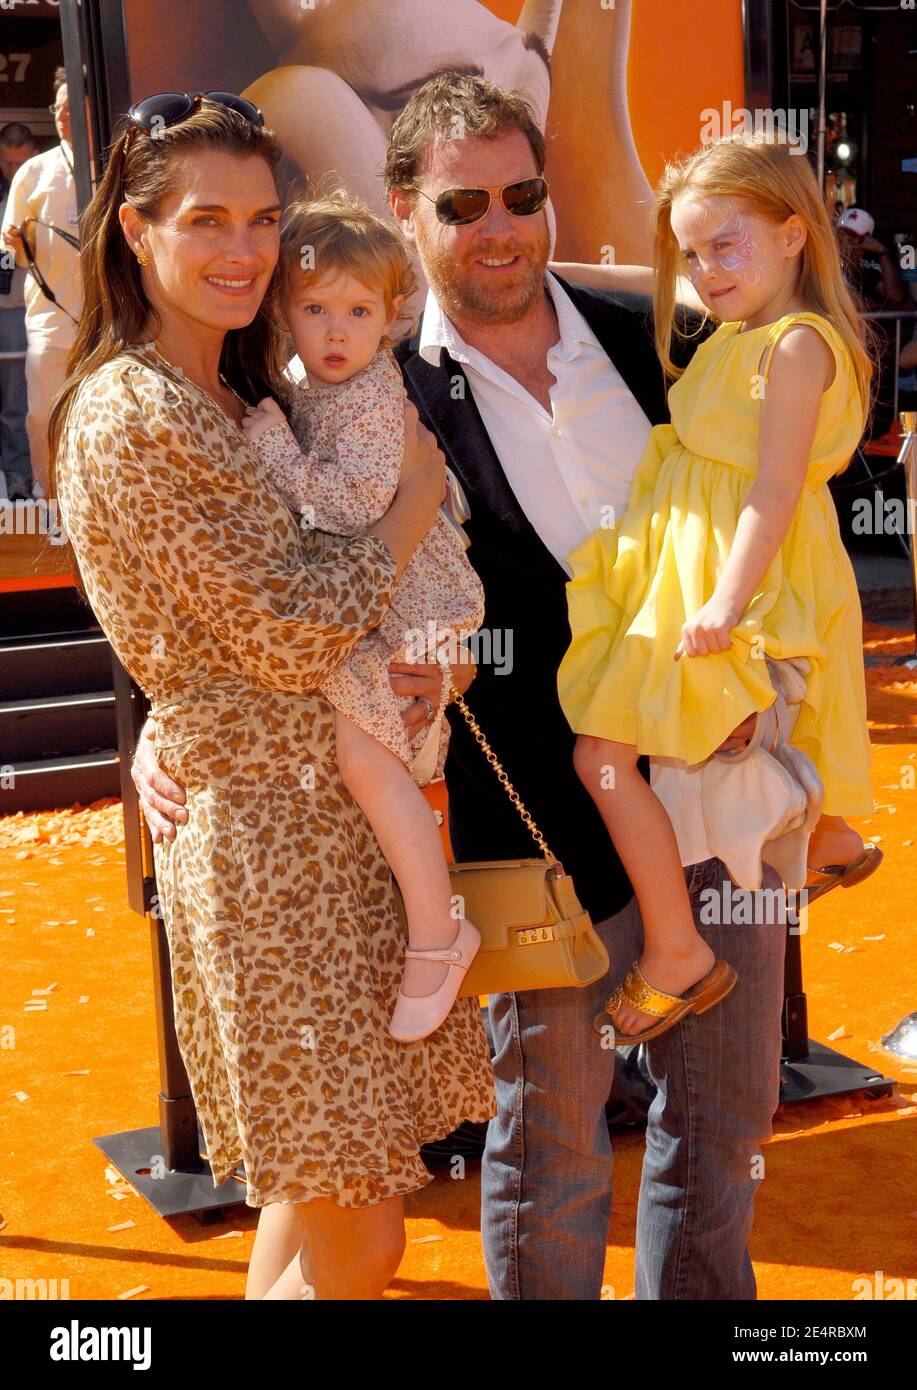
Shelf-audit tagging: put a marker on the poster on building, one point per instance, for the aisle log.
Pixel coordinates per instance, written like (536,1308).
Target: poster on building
(332,75)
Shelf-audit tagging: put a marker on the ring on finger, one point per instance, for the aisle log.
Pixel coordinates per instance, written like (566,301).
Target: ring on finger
(428,705)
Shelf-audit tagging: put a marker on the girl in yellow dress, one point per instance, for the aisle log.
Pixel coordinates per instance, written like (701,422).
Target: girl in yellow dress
(730,549)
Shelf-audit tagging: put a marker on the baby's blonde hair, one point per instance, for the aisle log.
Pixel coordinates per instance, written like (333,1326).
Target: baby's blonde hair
(762,171)
(334,230)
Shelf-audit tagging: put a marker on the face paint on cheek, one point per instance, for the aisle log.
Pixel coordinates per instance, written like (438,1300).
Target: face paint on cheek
(742,259)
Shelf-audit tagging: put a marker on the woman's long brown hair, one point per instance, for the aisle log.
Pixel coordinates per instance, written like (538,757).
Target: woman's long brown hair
(115,310)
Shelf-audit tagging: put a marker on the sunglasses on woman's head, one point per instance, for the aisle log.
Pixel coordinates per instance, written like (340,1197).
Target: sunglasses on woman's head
(456,207)
(166,109)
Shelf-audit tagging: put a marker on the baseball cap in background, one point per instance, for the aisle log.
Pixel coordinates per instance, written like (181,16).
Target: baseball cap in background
(858,221)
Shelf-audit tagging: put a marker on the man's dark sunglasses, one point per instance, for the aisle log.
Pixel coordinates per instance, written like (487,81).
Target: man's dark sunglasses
(458,206)
(171,108)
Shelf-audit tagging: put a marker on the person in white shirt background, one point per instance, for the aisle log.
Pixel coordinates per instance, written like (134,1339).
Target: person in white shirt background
(17,144)
(44,189)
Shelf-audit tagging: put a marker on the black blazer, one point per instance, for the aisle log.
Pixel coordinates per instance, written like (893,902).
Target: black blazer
(525,596)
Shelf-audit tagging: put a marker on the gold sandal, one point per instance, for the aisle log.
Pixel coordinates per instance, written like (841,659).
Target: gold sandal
(668,1008)
(821,881)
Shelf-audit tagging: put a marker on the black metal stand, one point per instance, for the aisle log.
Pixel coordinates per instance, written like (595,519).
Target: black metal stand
(809,1069)
(181,1188)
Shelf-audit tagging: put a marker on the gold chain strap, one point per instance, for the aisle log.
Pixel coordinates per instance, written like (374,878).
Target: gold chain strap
(494,761)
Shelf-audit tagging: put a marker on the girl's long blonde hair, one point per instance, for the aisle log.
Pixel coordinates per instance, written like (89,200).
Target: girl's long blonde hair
(774,182)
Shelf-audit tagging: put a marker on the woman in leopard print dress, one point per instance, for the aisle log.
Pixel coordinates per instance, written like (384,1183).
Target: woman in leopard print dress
(286,948)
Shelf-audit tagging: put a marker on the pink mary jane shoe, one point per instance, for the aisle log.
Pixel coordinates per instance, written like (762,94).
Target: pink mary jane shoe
(416,1016)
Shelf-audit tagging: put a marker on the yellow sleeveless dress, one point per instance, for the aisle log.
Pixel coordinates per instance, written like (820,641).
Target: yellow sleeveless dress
(634,586)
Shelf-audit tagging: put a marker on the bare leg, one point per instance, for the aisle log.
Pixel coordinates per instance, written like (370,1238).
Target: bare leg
(348,1253)
(403,822)
(833,842)
(278,1240)
(675,956)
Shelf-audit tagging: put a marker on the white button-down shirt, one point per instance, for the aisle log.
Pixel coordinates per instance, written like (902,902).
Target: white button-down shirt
(571,467)
(44,187)
(567,466)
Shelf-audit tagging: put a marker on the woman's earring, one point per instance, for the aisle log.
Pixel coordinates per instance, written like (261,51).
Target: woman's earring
(142,258)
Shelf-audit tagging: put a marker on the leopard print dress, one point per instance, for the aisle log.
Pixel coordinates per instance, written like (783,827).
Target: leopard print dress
(286,948)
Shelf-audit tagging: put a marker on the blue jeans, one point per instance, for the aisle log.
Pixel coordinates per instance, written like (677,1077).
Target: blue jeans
(546,1171)
(14,442)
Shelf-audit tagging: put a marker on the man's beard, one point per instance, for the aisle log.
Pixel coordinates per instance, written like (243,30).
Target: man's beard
(465,298)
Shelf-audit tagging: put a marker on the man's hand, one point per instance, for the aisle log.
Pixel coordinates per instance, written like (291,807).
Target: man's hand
(161,799)
(425,679)
(12,240)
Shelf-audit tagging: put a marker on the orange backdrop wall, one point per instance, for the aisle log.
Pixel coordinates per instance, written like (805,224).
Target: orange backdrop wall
(685,55)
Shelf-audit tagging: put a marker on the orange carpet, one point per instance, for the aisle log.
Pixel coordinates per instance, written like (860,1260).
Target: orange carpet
(77,1059)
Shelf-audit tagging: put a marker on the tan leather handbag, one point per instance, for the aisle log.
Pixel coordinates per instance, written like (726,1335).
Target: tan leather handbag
(534,933)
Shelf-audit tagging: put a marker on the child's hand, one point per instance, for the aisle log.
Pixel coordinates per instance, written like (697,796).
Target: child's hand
(708,631)
(261,417)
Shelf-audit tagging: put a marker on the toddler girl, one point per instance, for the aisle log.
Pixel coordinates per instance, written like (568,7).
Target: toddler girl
(345,274)
(729,555)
